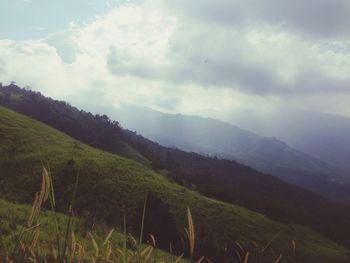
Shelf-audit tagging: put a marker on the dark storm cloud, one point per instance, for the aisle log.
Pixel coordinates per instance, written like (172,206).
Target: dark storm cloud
(321,18)
(217,60)
(324,18)
(231,71)
(227,44)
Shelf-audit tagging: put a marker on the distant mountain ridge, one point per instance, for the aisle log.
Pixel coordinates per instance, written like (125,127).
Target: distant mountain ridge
(217,138)
(325,136)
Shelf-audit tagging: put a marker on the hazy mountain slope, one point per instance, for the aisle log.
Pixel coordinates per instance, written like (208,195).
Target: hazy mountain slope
(107,183)
(324,136)
(221,179)
(209,136)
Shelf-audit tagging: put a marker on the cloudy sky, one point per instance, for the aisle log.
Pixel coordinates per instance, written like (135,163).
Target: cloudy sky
(181,56)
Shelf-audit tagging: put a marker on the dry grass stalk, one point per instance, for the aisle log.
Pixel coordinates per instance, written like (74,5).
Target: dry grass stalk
(294,247)
(190,232)
(246,258)
(278,259)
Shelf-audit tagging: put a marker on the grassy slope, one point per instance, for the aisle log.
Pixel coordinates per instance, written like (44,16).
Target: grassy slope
(108,182)
(13,220)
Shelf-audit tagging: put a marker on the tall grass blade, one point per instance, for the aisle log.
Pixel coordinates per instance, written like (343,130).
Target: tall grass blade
(143,220)
(269,243)
(125,239)
(108,236)
(70,213)
(94,243)
(246,258)
(190,232)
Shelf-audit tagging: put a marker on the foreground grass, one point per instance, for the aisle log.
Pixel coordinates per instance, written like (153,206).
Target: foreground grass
(97,243)
(110,186)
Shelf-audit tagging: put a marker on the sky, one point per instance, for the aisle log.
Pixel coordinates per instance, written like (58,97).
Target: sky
(181,56)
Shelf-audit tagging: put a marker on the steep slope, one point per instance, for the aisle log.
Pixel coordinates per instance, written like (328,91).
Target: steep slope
(224,180)
(110,185)
(216,138)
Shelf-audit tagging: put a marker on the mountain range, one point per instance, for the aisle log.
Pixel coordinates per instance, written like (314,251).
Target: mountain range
(118,168)
(216,138)
(323,135)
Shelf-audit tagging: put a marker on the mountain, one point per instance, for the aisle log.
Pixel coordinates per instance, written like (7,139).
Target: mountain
(216,138)
(325,136)
(110,185)
(223,180)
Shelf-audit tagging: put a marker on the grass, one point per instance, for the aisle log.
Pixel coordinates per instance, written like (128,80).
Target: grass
(111,186)
(13,223)
(35,239)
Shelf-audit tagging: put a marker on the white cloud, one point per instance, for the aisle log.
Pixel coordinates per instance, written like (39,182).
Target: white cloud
(184,59)
(34,63)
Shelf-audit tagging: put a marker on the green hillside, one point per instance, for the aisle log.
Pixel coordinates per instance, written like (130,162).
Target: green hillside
(110,185)
(224,180)
(13,223)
